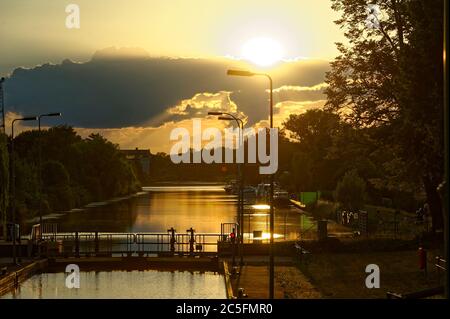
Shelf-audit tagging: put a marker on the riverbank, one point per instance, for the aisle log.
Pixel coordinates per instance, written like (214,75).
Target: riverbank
(17,274)
(57,215)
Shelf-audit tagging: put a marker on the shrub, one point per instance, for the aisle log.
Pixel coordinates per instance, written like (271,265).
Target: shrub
(351,191)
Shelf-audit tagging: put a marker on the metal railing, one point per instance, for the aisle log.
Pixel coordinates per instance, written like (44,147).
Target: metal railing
(130,244)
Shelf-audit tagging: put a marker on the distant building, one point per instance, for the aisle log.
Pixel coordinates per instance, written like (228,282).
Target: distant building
(139,157)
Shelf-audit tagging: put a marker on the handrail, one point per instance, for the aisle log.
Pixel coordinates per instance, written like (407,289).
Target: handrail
(132,243)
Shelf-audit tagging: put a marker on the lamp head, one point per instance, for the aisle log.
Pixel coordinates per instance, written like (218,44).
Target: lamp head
(54,114)
(50,114)
(240,73)
(225,118)
(28,118)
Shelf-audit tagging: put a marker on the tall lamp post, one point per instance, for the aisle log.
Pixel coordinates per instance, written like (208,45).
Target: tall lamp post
(445,185)
(40,167)
(13,186)
(240,124)
(271,248)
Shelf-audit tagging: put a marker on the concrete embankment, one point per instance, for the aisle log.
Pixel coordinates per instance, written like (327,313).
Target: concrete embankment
(200,264)
(14,278)
(227,278)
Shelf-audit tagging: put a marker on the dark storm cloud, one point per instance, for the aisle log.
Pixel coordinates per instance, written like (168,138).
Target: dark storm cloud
(112,91)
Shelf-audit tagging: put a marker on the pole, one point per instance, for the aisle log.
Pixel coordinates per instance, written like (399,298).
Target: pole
(271,249)
(241,206)
(40,165)
(233,247)
(240,168)
(40,176)
(240,200)
(13,185)
(446,158)
(13,200)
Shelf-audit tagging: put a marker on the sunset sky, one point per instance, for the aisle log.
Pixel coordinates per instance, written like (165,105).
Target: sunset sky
(295,37)
(34,32)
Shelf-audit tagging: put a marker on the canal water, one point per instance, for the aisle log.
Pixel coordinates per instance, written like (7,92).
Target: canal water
(148,284)
(157,209)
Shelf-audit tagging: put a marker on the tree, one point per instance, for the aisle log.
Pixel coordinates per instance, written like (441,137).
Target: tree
(75,171)
(301,171)
(56,183)
(105,170)
(390,80)
(313,131)
(350,191)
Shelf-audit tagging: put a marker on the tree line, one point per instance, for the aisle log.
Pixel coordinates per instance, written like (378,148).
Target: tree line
(74,170)
(383,119)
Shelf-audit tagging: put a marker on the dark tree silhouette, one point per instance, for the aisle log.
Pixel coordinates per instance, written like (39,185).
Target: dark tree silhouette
(390,79)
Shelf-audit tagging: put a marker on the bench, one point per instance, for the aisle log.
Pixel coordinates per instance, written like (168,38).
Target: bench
(418,294)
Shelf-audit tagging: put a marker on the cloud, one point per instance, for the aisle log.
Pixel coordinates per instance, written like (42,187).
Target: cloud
(202,103)
(127,88)
(125,53)
(19,126)
(300,93)
(136,100)
(157,139)
(319,87)
(282,110)
(286,108)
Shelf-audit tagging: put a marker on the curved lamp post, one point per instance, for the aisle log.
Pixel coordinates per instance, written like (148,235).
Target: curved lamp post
(271,248)
(40,166)
(13,178)
(240,124)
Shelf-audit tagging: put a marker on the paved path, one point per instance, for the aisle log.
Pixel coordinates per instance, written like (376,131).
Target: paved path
(255,281)
(289,280)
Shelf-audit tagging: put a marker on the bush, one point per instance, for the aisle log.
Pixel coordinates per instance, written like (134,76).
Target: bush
(351,191)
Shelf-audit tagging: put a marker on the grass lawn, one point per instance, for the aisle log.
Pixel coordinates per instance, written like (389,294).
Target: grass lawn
(343,275)
(381,220)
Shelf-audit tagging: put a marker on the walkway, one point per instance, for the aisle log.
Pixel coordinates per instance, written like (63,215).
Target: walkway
(289,280)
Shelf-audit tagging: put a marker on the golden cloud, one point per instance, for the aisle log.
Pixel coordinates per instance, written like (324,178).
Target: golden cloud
(205,102)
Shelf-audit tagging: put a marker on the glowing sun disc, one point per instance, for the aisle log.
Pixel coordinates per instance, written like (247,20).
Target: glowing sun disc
(262,51)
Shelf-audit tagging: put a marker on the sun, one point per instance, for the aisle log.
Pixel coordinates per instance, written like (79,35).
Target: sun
(262,51)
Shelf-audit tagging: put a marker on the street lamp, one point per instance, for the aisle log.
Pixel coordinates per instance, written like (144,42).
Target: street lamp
(2,106)
(271,248)
(444,186)
(40,167)
(240,124)
(13,178)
